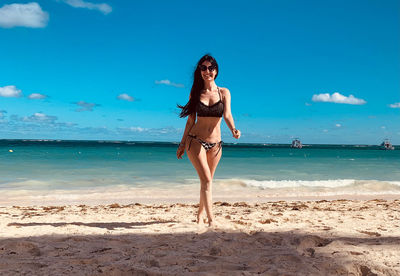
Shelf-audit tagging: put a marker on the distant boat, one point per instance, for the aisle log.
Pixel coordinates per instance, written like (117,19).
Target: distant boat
(386,145)
(296,144)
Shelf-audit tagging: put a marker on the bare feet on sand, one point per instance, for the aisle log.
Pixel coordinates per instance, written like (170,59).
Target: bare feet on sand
(211,223)
(200,218)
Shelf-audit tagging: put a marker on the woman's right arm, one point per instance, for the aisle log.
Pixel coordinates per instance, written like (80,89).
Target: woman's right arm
(189,124)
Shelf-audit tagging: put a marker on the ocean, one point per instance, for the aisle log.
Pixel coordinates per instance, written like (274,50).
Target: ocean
(38,167)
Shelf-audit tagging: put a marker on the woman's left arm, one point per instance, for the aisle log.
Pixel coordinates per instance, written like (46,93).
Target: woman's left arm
(228,114)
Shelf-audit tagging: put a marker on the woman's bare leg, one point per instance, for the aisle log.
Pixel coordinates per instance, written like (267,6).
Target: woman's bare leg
(212,161)
(201,208)
(197,155)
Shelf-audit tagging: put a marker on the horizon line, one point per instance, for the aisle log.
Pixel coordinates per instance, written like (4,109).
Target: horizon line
(173,142)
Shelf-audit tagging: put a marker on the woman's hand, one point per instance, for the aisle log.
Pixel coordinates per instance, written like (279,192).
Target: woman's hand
(236,133)
(180,151)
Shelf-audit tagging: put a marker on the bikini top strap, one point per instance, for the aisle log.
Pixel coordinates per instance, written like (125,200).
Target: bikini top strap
(220,98)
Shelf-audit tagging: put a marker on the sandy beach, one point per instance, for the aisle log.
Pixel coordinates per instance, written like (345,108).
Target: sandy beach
(325,237)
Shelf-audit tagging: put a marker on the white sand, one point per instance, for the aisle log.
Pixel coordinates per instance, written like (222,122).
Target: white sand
(338,237)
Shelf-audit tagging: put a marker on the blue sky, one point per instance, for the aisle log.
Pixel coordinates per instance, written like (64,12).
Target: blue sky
(323,71)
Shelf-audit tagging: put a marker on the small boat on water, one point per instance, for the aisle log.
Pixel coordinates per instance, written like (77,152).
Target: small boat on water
(296,144)
(386,145)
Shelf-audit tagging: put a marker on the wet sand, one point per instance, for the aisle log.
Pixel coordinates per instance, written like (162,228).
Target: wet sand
(325,237)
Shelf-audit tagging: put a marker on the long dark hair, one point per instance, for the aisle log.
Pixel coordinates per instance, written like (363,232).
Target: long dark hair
(197,86)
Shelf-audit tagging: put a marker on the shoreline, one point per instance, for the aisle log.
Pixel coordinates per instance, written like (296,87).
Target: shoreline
(168,199)
(180,194)
(232,191)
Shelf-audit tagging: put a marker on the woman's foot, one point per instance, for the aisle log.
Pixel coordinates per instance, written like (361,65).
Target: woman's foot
(199,218)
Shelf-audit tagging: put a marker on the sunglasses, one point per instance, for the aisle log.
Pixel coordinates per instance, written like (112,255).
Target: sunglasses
(204,68)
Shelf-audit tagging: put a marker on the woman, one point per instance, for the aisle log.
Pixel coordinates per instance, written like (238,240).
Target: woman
(202,138)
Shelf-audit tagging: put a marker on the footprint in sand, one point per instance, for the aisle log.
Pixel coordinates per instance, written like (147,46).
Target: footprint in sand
(21,248)
(370,233)
(306,244)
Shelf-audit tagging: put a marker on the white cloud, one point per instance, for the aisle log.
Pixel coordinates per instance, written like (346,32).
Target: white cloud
(85,106)
(37,117)
(150,131)
(38,122)
(40,117)
(43,125)
(132,129)
(383,127)
(338,125)
(10,91)
(23,15)
(325,130)
(102,7)
(307,104)
(137,129)
(395,105)
(163,130)
(337,98)
(168,82)
(36,96)
(125,97)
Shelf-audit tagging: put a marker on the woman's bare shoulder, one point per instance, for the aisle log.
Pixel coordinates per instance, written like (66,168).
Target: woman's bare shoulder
(224,91)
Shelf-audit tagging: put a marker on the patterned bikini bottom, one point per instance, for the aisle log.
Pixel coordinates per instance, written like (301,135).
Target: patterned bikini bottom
(206,145)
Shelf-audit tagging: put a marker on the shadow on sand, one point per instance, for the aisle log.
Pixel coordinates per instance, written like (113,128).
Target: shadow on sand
(213,252)
(106,225)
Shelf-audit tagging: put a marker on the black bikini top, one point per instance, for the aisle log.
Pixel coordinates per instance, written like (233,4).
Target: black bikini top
(214,110)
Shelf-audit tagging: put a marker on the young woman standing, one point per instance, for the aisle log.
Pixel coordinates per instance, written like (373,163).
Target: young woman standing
(202,138)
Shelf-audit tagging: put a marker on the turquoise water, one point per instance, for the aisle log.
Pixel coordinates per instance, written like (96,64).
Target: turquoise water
(84,164)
